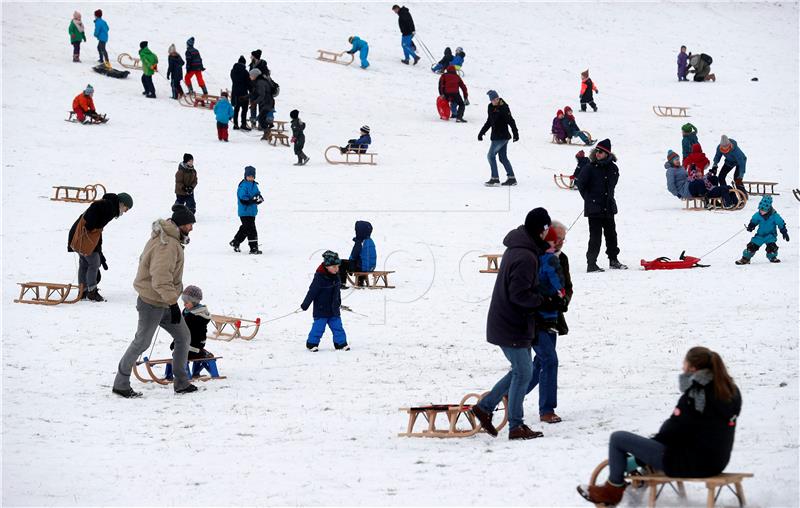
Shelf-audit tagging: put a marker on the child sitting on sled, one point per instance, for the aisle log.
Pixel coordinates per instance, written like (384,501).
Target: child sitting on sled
(359,145)
(325,293)
(197,317)
(767,220)
(458,58)
(557,130)
(551,281)
(444,62)
(363,257)
(83,107)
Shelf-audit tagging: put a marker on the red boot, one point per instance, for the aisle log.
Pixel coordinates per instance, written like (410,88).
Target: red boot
(606,494)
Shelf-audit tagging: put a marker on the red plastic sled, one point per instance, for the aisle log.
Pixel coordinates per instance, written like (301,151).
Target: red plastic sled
(444,108)
(664,263)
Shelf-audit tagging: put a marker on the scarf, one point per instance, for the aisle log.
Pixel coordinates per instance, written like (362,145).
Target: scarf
(688,383)
(76,18)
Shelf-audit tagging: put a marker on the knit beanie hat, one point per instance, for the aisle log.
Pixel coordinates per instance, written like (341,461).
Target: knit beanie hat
(241,59)
(671,155)
(250,171)
(125,199)
(395,6)
(492,95)
(365,129)
(223,93)
(688,128)
(254,73)
(190,41)
(551,236)
(172,49)
(559,112)
(193,293)
(98,13)
(256,53)
(765,204)
(294,114)
(181,215)
(187,157)
(536,221)
(142,44)
(605,146)
(567,110)
(89,90)
(330,258)
(585,74)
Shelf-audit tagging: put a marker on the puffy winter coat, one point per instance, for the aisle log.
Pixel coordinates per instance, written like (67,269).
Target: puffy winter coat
(499,119)
(148,59)
(561,326)
(262,93)
(701,68)
(698,444)
(458,59)
(245,195)
(446,59)
(223,110)
(558,129)
(405,21)
(362,143)
(197,319)
(175,67)
(677,181)
(101,29)
(358,45)
(193,60)
(511,321)
(587,87)
(185,180)
(75,35)
(325,292)
(298,130)
(159,279)
(363,257)
(240,81)
(698,158)
(596,183)
(767,225)
(97,216)
(450,83)
(571,128)
(82,102)
(683,63)
(689,140)
(735,157)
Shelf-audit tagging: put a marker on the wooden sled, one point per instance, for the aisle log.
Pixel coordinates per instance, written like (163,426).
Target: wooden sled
(761,188)
(565,182)
(199,101)
(568,141)
(672,111)
(155,378)
(351,158)
(54,294)
(273,137)
(380,280)
(73,118)
(492,263)
(228,328)
(127,61)
(796,193)
(703,203)
(334,57)
(86,194)
(454,412)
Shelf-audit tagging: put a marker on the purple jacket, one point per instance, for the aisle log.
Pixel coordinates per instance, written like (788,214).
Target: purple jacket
(558,129)
(683,64)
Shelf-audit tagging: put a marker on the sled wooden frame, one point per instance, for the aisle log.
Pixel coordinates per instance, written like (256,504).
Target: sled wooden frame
(699,203)
(453,413)
(349,155)
(655,482)
(564,182)
(73,118)
(334,57)
(672,111)
(796,193)
(86,194)
(129,62)
(377,276)
(273,137)
(54,294)
(228,328)
(568,141)
(155,378)
(492,263)
(760,188)
(192,100)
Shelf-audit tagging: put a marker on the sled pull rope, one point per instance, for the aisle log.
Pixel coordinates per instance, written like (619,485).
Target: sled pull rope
(576,220)
(281,317)
(723,243)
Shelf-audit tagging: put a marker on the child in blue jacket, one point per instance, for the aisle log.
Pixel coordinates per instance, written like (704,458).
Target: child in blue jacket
(735,159)
(224,112)
(325,293)
(249,197)
(361,47)
(551,281)
(768,221)
(363,257)
(359,145)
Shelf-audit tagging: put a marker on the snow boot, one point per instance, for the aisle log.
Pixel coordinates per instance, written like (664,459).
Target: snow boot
(606,494)
(205,90)
(460,120)
(774,260)
(312,347)
(254,250)
(485,419)
(189,90)
(493,182)
(94,295)
(743,261)
(128,394)
(188,389)
(342,347)
(416,60)
(523,432)
(305,160)
(405,61)
(342,149)
(235,246)
(592,267)
(616,265)
(510,182)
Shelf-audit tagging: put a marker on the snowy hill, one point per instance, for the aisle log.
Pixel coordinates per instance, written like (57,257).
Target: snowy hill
(288,427)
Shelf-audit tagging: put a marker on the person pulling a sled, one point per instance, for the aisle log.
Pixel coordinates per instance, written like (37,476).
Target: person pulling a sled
(449,85)
(361,47)
(326,295)
(194,67)
(83,107)
(767,220)
(407,31)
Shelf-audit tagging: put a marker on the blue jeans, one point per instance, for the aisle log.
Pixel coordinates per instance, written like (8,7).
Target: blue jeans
(406,43)
(581,135)
(545,372)
(499,147)
(621,443)
(512,384)
(187,200)
(318,328)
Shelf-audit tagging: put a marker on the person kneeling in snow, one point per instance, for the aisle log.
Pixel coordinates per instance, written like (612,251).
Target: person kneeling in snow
(359,145)
(325,293)
(767,220)
(83,107)
(449,85)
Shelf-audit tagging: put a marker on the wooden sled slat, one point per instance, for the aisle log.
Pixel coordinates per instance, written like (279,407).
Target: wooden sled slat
(155,378)
(228,328)
(454,413)
(492,263)
(716,203)
(54,294)
(352,159)
(87,194)
(563,181)
(199,101)
(380,280)
(274,137)
(334,57)
(73,118)
(568,141)
(671,111)
(129,62)
(760,188)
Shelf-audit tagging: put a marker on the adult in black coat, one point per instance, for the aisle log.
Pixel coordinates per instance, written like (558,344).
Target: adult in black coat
(175,72)
(499,119)
(240,93)
(596,182)
(695,442)
(407,30)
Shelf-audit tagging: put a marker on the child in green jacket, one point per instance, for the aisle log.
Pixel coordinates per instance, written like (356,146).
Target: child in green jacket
(76,35)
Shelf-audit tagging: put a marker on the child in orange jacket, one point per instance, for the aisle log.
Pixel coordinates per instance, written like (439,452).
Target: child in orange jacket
(587,87)
(83,107)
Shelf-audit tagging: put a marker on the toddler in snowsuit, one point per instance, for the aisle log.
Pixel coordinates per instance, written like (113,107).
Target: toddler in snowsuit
(587,88)
(359,145)
(185,182)
(767,220)
(363,257)
(551,282)
(571,128)
(224,112)
(175,72)
(361,47)
(197,317)
(298,137)
(683,64)
(194,67)
(689,132)
(249,197)
(444,63)
(325,293)
(559,134)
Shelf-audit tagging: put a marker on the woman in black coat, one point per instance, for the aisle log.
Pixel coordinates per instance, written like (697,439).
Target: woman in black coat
(695,442)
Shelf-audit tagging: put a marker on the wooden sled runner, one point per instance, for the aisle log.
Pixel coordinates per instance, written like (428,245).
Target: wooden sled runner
(228,328)
(47,293)
(276,134)
(492,263)
(655,482)
(127,61)
(153,377)
(578,141)
(454,413)
(564,182)
(672,111)
(761,188)
(86,194)
(199,101)
(350,158)
(334,57)
(361,280)
(73,118)
(703,203)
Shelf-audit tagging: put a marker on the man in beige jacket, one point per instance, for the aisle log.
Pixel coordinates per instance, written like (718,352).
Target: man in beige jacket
(159,283)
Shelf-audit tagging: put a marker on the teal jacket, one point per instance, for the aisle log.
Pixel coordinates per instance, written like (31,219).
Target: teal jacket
(767,226)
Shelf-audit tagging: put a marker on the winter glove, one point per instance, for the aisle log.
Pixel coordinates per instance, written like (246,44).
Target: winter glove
(480,137)
(351,52)
(785,234)
(580,154)
(516,138)
(294,139)
(466,101)
(105,265)
(258,199)
(714,169)
(188,189)
(750,227)
(175,314)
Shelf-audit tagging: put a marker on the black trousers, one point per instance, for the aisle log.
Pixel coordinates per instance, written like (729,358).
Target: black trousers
(240,110)
(298,148)
(101,51)
(598,227)
(147,82)
(455,97)
(727,168)
(247,230)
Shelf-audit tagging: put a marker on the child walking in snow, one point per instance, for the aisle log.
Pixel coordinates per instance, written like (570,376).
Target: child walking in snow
(683,64)
(363,257)
(224,112)
(768,221)
(249,197)
(325,293)
(558,128)
(185,182)
(359,145)
(175,72)
(298,137)
(194,67)
(551,281)
(77,35)
(197,317)
(587,87)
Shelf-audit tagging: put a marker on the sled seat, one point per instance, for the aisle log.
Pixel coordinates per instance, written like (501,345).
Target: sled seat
(228,328)
(655,482)
(672,111)
(492,263)
(87,194)
(761,188)
(273,137)
(380,280)
(47,293)
(453,413)
(716,203)
(695,203)
(155,378)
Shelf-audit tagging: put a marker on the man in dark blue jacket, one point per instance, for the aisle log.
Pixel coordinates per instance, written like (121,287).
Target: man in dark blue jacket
(407,29)
(511,323)
(596,182)
(325,293)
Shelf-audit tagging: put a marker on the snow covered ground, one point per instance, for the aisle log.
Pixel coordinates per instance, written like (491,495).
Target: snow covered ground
(292,428)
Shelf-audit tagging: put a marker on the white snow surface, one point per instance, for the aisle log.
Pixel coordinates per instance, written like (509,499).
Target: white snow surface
(288,427)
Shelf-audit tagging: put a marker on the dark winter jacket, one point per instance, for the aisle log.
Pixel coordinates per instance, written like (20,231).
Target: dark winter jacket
(405,21)
(582,162)
(587,90)
(259,64)
(596,183)
(185,180)
(262,93)
(450,83)
(571,128)
(97,216)
(325,293)
(562,327)
(688,141)
(240,81)
(698,444)
(175,67)
(511,320)
(558,129)
(298,128)
(363,257)
(193,60)
(197,320)
(446,59)
(499,119)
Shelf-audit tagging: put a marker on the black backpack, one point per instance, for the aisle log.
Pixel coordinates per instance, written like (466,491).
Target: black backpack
(706,58)
(276,88)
